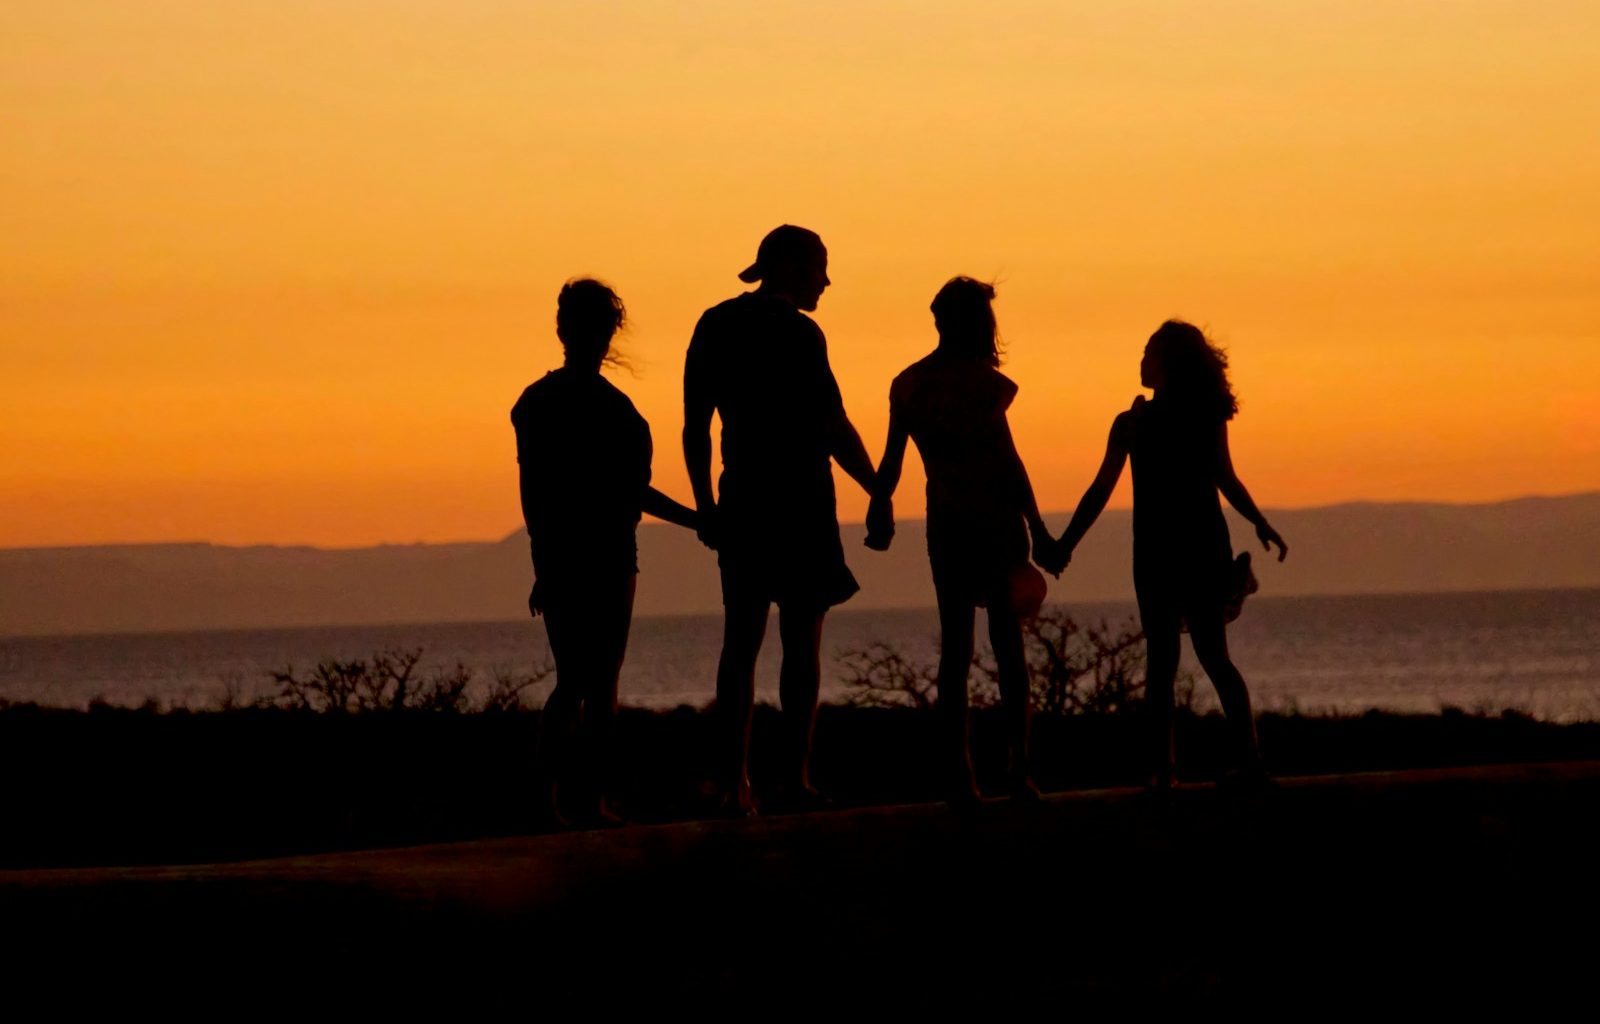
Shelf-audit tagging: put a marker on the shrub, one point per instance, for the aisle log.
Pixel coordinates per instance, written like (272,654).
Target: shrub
(1072,669)
(879,676)
(390,681)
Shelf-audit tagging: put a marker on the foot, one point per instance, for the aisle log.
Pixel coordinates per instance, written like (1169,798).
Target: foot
(801,799)
(1162,780)
(1252,780)
(602,816)
(812,798)
(738,802)
(963,797)
(549,811)
(1025,790)
(963,788)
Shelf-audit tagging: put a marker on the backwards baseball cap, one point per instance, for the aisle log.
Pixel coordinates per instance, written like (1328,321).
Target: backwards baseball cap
(785,243)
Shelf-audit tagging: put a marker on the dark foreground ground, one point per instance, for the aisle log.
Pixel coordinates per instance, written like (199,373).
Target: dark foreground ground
(1400,893)
(117,786)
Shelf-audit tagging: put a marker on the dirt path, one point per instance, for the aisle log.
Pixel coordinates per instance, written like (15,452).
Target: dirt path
(1439,882)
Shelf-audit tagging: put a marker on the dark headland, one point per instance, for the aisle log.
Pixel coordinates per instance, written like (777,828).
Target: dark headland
(1362,548)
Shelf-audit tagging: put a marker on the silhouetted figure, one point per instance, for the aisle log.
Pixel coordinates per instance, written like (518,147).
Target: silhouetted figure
(761,364)
(1183,566)
(584,457)
(981,511)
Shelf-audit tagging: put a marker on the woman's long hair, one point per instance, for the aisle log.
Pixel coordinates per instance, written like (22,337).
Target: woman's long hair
(1194,369)
(589,313)
(963,311)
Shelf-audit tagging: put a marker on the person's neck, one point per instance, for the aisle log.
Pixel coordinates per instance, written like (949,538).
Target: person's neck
(780,292)
(588,367)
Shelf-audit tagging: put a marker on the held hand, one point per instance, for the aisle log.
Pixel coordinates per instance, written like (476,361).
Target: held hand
(1052,558)
(1269,537)
(535,600)
(1048,553)
(880,524)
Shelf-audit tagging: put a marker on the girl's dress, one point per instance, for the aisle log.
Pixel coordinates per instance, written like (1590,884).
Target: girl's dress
(1182,555)
(954,408)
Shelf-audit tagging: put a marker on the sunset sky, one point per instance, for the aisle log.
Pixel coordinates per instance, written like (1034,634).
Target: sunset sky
(275,272)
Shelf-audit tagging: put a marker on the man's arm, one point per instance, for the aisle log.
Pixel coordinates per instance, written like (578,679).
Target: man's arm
(664,508)
(880,512)
(698,405)
(846,447)
(851,453)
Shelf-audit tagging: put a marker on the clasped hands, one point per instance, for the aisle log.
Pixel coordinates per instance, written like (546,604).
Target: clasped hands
(1049,554)
(880,523)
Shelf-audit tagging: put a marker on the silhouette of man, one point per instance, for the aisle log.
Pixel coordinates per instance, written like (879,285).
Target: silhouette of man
(761,364)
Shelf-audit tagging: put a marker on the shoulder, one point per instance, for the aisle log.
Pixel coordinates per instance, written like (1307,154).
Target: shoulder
(532,397)
(903,384)
(724,310)
(794,327)
(741,308)
(715,321)
(1127,422)
(619,400)
(806,324)
(907,380)
(612,394)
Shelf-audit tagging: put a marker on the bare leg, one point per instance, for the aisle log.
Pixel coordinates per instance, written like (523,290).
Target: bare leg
(560,718)
(1209,634)
(613,616)
(955,661)
(1160,674)
(1005,637)
(744,627)
(799,683)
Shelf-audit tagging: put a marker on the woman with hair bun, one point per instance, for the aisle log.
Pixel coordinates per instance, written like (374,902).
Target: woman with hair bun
(584,461)
(1184,572)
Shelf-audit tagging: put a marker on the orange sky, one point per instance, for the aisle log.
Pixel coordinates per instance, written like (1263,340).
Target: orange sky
(274,272)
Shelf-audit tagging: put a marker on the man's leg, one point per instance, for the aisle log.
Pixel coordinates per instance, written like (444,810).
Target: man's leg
(743,627)
(799,682)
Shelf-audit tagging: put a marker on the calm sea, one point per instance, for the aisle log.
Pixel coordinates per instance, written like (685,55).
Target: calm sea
(1534,651)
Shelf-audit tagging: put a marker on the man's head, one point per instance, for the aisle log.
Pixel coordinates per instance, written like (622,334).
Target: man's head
(792,262)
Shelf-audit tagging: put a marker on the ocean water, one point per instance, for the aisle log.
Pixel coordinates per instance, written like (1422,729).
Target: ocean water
(1533,651)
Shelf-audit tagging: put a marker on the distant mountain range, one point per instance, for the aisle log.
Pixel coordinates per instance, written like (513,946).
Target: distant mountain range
(1359,548)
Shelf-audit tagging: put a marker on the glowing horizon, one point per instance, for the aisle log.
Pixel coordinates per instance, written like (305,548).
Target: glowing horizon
(277,273)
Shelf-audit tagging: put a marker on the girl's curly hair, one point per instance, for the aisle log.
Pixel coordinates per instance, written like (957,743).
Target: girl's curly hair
(1194,368)
(963,311)
(588,314)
